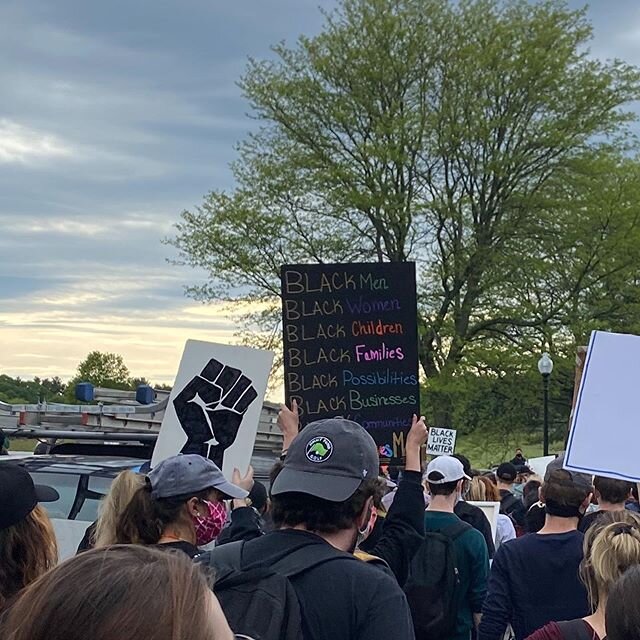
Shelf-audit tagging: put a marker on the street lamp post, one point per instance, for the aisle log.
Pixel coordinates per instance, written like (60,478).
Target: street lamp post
(545,367)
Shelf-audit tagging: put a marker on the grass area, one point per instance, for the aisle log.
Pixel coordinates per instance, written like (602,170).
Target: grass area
(488,450)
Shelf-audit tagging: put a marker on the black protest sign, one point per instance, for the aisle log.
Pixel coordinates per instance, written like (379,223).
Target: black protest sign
(350,347)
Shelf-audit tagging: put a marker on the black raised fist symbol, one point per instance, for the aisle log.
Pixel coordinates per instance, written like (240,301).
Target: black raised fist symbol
(211,407)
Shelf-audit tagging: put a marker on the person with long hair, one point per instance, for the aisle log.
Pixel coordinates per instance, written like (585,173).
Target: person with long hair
(102,532)
(611,546)
(180,505)
(483,490)
(127,592)
(623,607)
(27,541)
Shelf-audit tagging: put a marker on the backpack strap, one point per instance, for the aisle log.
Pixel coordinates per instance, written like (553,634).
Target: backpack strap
(307,557)
(576,630)
(227,555)
(298,561)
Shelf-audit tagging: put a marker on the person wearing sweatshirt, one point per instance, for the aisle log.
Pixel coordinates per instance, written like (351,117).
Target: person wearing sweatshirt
(534,579)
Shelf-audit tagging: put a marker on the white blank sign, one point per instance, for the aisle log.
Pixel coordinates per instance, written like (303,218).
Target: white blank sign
(604,439)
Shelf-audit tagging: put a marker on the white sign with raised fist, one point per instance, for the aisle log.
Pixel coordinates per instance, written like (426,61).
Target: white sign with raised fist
(215,404)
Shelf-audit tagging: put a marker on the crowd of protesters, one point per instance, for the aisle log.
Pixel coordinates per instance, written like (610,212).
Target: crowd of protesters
(334,549)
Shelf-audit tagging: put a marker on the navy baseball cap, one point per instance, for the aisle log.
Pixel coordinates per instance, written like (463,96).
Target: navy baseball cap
(328,459)
(189,473)
(18,495)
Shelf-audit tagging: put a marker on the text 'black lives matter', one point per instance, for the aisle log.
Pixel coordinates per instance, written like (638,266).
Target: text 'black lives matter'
(351,347)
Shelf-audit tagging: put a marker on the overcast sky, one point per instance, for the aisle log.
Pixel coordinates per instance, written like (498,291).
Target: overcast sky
(114,117)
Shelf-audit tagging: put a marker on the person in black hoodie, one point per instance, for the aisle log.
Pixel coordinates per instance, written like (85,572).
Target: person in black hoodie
(471,514)
(323,505)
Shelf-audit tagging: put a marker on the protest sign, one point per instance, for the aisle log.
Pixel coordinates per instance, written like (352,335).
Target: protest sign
(351,347)
(215,404)
(491,510)
(604,438)
(539,465)
(441,442)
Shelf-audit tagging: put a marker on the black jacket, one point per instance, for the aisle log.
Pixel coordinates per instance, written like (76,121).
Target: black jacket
(245,524)
(474,516)
(343,599)
(403,527)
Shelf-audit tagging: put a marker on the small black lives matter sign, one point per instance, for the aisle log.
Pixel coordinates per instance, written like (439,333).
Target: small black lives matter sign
(351,347)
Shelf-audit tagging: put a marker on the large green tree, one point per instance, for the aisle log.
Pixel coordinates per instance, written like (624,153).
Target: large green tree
(478,138)
(103,370)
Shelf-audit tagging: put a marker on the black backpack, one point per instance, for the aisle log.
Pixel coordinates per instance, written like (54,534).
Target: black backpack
(260,601)
(432,587)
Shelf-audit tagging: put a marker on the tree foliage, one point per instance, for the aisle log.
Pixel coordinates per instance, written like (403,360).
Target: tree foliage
(477,138)
(103,370)
(18,391)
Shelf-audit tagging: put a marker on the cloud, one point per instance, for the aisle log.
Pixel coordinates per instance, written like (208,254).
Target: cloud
(116,116)
(23,145)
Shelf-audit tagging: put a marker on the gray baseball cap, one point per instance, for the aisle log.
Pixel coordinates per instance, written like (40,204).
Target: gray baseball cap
(580,480)
(328,459)
(189,473)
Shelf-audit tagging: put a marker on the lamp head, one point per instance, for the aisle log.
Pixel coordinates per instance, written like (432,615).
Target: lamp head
(545,364)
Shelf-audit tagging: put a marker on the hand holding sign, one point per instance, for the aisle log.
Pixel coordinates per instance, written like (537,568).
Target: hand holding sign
(210,409)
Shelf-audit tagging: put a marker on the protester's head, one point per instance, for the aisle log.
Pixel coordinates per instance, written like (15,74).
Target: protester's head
(531,492)
(259,498)
(566,494)
(596,585)
(623,607)
(120,493)
(127,592)
(329,480)
(483,490)
(466,464)
(27,540)
(181,493)
(612,491)
(506,473)
(468,471)
(445,476)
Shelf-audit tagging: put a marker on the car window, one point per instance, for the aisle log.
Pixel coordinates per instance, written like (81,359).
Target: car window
(66,484)
(90,506)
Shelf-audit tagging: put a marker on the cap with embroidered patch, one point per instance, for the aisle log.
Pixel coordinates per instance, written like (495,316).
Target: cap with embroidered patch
(328,459)
(445,469)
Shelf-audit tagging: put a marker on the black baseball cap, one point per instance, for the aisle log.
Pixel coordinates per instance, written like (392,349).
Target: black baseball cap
(328,459)
(507,472)
(18,495)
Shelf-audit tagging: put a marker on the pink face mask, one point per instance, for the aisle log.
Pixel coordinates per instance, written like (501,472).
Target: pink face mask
(208,527)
